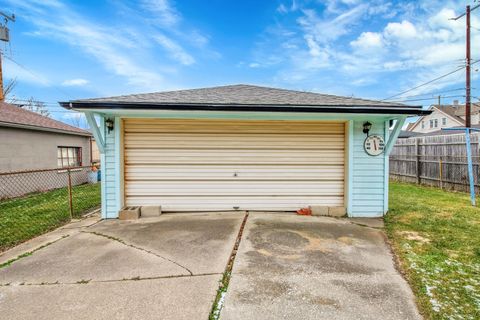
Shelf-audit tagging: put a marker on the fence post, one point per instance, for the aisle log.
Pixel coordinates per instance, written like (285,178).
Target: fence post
(70,202)
(440,172)
(417,161)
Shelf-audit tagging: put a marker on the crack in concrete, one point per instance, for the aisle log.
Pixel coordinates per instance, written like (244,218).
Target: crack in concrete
(138,248)
(85,281)
(366,226)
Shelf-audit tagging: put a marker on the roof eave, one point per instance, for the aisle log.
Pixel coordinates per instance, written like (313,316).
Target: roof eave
(367,109)
(38,128)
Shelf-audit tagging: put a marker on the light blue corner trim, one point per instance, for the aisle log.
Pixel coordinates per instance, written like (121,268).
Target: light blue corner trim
(393,137)
(386,167)
(96,132)
(103,175)
(118,163)
(350,169)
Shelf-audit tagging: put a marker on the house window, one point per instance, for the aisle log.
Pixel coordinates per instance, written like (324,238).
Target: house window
(431,124)
(69,157)
(435,123)
(423,124)
(444,121)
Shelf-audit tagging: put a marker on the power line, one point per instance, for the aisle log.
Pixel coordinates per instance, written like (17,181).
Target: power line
(423,84)
(36,75)
(435,93)
(428,82)
(25,101)
(433,98)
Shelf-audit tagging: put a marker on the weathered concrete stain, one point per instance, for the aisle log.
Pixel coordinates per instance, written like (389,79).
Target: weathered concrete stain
(291,267)
(314,244)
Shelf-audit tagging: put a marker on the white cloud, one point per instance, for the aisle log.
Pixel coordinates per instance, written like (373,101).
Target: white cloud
(328,30)
(402,31)
(164,12)
(175,50)
(282,8)
(74,82)
(368,40)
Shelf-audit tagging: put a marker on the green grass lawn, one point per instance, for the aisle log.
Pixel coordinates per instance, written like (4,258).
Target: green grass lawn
(436,235)
(27,217)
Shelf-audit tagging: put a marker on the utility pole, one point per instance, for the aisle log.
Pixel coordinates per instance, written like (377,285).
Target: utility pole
(2,96)
(467,71)
(468,98)
(5,37)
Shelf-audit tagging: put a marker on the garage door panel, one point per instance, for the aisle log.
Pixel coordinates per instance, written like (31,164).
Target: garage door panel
(229,141)
(186,165)
(240,172)
(225,203)
(232,156)
(231,126)
(240,188)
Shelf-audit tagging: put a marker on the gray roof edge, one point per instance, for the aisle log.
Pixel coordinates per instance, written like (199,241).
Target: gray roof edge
(40,128)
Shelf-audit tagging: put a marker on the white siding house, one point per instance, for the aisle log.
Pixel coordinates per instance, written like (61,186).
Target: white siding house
(244,147)
(444,116)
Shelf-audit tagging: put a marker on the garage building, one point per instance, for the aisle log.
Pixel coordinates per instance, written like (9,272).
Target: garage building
(244,147)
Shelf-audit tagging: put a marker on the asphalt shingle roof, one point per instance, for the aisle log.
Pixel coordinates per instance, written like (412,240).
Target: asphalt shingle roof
(240,94)
(14,115)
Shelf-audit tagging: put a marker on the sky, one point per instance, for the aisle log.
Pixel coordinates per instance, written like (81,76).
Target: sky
(62,50)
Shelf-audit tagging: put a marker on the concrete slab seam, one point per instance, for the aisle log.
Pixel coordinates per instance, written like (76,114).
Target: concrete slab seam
(223,287)
(84,281)
(29,253)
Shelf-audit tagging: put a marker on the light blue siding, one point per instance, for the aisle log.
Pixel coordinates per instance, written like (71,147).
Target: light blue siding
(109,176)
(368,183)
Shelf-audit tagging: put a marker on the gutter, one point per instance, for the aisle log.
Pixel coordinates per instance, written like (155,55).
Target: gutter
(363,109)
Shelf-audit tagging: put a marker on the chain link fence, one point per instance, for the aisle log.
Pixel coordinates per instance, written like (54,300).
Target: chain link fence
(37,201)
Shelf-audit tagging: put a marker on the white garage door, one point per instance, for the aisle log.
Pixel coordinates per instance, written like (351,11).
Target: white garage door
(199,165)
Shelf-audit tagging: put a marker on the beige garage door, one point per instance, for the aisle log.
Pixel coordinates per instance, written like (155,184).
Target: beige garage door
(198,165)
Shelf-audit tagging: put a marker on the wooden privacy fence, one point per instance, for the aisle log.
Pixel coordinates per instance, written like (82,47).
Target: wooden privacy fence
(439,161)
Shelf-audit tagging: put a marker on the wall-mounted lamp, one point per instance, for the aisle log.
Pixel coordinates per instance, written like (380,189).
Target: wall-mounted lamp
(366,127)
(109,124)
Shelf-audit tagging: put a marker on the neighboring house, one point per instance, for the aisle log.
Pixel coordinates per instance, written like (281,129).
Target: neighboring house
(444,116)
(31,141)
(243,147)
(95,152)
(439,132)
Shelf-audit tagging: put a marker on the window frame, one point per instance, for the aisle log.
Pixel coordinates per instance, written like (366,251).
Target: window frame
(72,159)
(444,121)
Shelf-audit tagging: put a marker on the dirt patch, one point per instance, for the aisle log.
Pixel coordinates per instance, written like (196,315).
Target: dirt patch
(414,236)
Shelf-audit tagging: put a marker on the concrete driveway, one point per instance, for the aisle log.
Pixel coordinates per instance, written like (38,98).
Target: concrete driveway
(159,268)
(287,267)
